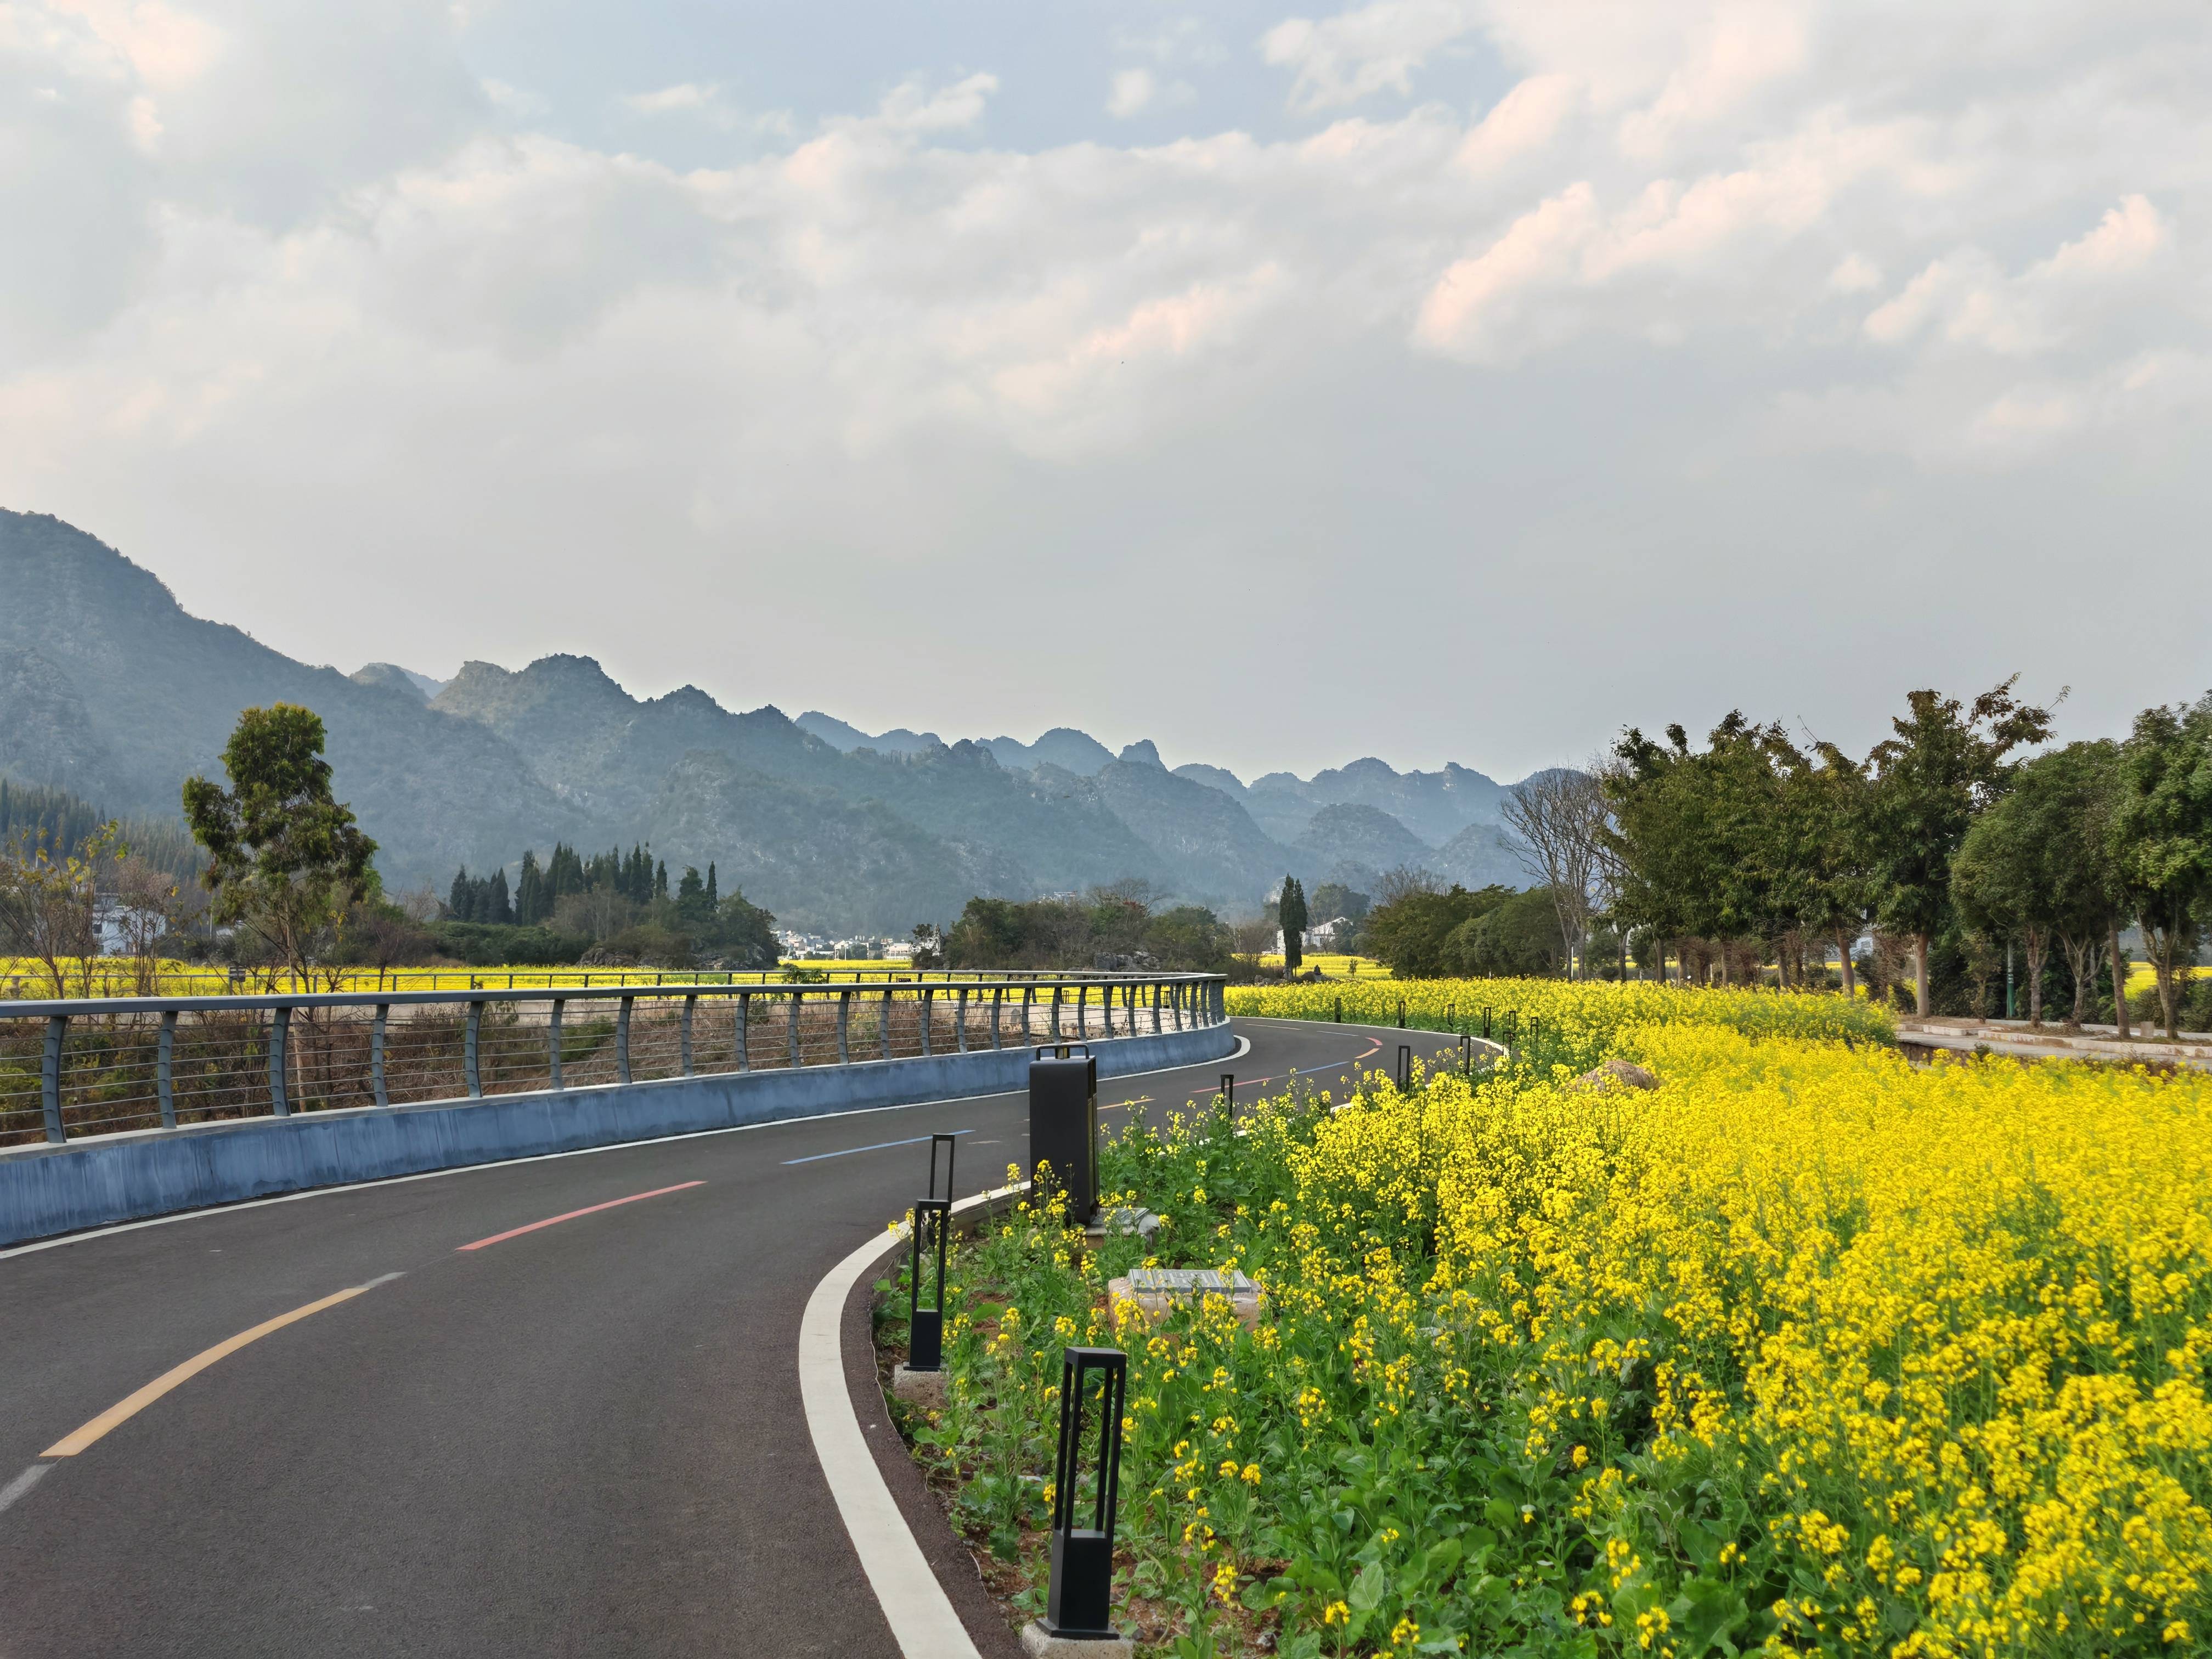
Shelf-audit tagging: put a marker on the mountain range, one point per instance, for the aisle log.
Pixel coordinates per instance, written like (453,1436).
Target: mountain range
(109,688)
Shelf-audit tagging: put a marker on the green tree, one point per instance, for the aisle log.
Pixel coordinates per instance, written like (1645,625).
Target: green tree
(1409,932)
(285,860)
(1947,762)
(695,910)
(2006,877)
(1291,916)
(533,902)
(2163,838)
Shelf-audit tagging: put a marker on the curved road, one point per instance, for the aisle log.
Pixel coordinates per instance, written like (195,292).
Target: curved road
(579,1437)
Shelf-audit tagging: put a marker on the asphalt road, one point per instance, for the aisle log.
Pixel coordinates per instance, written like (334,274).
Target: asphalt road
(584,1438)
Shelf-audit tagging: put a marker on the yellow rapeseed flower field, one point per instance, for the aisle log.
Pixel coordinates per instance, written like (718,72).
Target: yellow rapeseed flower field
(1807,1350)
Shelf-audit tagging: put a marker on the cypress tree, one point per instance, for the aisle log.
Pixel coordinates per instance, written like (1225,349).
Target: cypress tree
(497,907)
(457,897)
(530,905)
(660,880)
(713,901)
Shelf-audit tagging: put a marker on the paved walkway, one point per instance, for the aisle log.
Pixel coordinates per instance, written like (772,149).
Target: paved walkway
(2011,1037)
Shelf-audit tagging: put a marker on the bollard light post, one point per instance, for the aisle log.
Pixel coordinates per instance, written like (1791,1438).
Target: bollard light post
(1064,1127)
(926,1325)
(1401,1013)
(1486,1022)
(1467,1057)
(1339,1011)
(1229,1092)
(951,1145)
(1405,1068)
(1078,1601)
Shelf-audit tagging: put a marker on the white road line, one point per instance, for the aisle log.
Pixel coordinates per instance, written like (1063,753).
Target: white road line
(915,1604)
(22,1483)
(1244,1046)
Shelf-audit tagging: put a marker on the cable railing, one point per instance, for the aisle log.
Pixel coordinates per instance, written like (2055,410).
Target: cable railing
(115,977)
(86,1066)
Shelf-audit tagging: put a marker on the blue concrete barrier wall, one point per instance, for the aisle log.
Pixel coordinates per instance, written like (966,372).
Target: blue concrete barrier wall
(45,1190)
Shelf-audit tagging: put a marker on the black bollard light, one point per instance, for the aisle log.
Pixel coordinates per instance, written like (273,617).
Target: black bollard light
(1064,1127)
(1467,1057)
(1401,1013)
(925,1343)
(1486,1022)
(1228,1091)
(951,1144)
(1405,1068)
(1078,1601)
(1339,1011)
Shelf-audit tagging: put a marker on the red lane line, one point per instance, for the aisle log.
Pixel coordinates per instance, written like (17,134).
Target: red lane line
(593,1209)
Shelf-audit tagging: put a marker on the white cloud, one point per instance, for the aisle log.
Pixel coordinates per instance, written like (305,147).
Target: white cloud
(1523,122)
(313,271)
(1130,92)
(2125,240)
(686,95)
(1370,49)
(1854,274)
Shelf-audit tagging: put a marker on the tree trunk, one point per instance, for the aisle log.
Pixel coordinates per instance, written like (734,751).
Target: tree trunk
(2036,942)
(1843,950)
(1920,974)
(2119,983)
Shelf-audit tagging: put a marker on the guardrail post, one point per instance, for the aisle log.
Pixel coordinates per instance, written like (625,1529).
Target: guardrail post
(553,1043)
(844,1028)
(279,1034)
(165,1076)
(1055,1009)
(798,996)
(929,1012)
(745,1031)
(1029,1000)
(884,1025)
(691,1007)
(622,1041)
(960,1016)
(50,1077)
(379,1091)
(1156,1008)
(998,999)
(1220,1005)
(470,1050)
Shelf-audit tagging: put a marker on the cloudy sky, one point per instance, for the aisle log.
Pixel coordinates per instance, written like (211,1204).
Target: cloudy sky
(1435,378)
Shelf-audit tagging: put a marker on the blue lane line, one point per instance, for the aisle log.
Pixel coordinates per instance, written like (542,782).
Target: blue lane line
(915,1140)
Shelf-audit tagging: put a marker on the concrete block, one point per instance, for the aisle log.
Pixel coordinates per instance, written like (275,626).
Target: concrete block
(1151,1292)
(1039,1645)
(923,1388)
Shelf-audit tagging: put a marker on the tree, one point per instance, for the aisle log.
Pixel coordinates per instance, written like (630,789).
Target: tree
(713,899)
(533,902)
(2004,881)
(1945,763)
(928,945)
(1410,932)
(49,904)
(285,860)
(1561,817)
(1290,912)
(2162,839)
(694,911)
(497,910)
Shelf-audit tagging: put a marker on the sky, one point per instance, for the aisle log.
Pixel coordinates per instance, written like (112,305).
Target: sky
(1438,379)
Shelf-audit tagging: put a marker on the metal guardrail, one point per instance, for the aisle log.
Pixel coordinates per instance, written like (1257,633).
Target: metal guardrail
(84,1065)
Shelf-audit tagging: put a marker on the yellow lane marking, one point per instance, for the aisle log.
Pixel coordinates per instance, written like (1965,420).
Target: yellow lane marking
(124,1410)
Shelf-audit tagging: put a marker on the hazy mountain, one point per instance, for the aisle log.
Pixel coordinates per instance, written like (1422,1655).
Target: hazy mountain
(846,739)
(392,677)
(1365,836)
(1481,855)
(108,689)
(1063,746)
(817,860)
